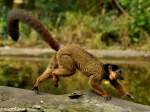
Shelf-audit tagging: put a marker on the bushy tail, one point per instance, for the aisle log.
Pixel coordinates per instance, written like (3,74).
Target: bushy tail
(21,15)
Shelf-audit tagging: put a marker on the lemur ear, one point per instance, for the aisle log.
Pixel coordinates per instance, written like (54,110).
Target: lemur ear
(110,68)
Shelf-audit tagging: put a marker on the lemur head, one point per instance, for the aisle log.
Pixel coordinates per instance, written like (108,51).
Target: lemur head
(114,72)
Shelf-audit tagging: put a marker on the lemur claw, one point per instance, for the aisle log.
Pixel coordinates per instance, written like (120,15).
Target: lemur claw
(107,98)
(35,89)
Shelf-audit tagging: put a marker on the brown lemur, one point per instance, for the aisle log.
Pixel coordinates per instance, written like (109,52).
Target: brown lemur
(68,58)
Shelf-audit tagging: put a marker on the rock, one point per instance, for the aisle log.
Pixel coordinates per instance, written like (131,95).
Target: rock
(75,95)
(36,107)
(14,109)
(28,101)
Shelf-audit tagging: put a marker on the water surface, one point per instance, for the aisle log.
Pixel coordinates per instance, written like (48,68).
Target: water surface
(22,72)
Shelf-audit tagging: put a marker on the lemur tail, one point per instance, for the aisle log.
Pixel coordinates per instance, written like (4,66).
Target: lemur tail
(21,15)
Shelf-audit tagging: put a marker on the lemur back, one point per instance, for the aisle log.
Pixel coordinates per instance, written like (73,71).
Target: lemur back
(85,62)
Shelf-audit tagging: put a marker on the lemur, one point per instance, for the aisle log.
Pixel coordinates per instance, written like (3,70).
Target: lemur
(69,58)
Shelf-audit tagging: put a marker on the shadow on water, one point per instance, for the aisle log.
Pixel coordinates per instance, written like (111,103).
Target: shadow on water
(22,72)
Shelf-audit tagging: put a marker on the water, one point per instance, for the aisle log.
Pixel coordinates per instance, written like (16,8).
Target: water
(22,72)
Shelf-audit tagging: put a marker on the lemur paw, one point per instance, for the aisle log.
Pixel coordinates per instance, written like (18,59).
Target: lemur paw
(36,89)
(129,96)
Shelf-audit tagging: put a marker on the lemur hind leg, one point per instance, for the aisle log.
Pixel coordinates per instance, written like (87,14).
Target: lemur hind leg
(66,66)
(53,65)
(45,75)
(62,65)
(55,80)
(48,73)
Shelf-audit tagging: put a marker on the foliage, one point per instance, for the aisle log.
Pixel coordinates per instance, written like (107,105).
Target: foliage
(82,22)
(140,12)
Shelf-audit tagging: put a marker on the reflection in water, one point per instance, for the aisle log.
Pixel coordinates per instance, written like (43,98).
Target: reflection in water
(23,72)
